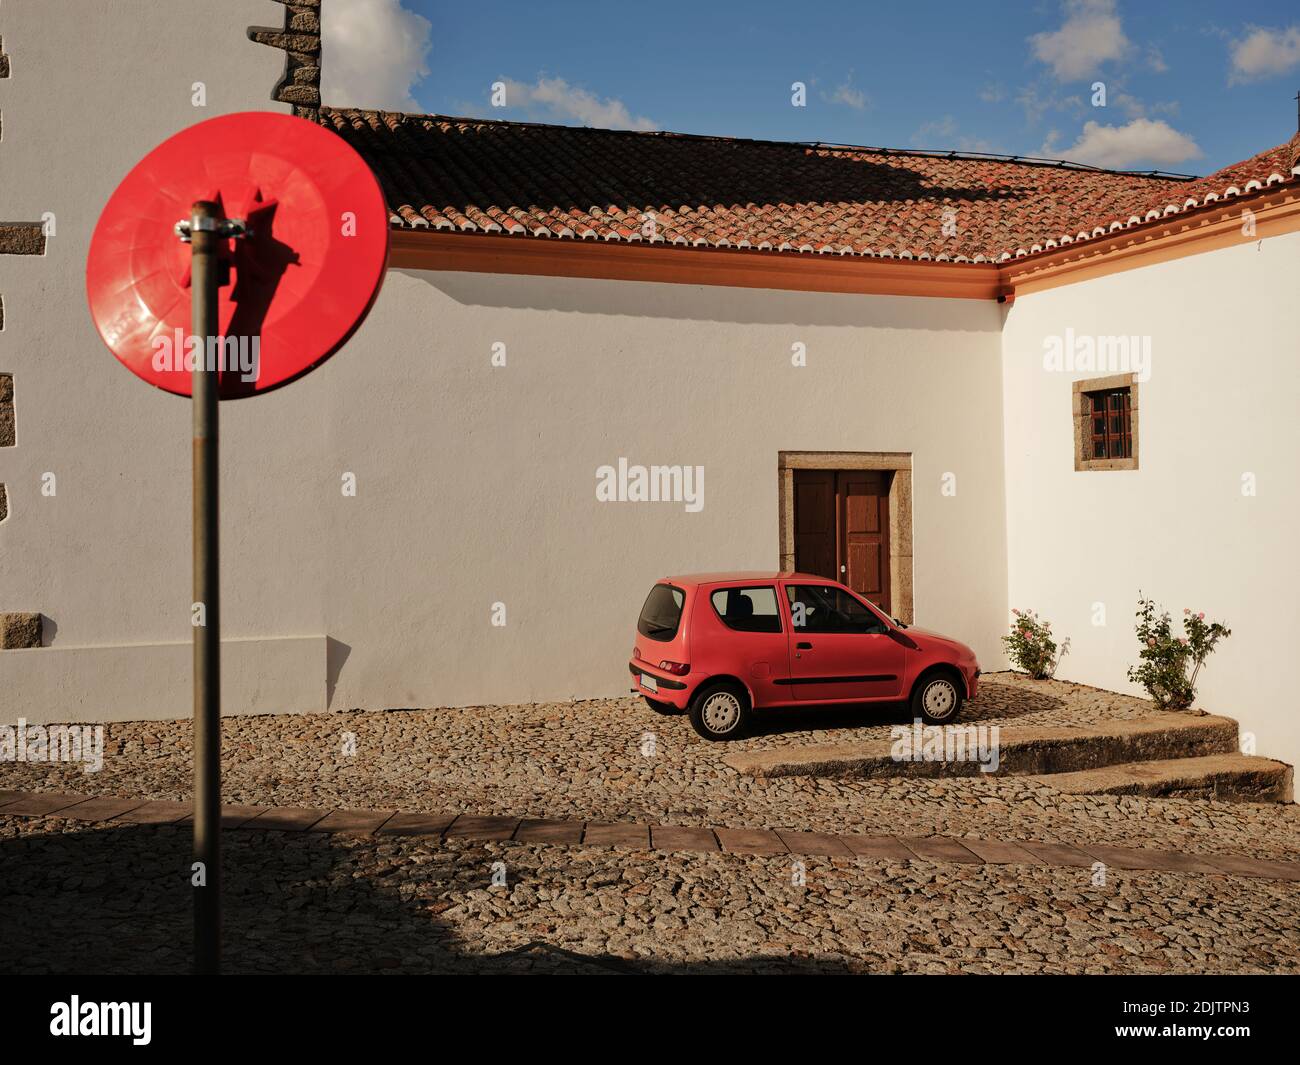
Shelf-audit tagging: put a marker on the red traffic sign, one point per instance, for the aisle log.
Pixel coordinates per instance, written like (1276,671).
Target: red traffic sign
(294,287)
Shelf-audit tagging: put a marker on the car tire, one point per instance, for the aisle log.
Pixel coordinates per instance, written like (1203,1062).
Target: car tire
(937,699)
(660,707)
(720,711)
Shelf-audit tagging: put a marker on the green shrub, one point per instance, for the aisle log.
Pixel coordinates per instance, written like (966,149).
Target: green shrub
(1170,665)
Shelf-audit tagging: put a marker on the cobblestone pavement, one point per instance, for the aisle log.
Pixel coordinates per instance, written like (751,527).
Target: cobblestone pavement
(616,760)
(114,898)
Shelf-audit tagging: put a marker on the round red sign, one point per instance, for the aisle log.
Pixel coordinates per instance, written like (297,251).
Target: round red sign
(295,287)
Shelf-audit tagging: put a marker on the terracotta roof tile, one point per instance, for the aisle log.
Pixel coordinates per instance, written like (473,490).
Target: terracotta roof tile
(559,182)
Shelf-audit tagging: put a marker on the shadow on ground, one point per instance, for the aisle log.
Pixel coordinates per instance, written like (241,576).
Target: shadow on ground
(117,901)
(996,702)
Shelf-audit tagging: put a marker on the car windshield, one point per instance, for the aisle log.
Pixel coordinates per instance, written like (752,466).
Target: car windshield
(662,612)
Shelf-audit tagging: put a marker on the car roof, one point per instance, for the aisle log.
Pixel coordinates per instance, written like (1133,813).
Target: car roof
(699,580)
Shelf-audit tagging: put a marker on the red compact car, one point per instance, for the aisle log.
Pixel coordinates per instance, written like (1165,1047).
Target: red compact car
(720,645)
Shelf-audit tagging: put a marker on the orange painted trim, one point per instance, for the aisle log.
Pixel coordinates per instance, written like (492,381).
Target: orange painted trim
(730,267)
(1218,225)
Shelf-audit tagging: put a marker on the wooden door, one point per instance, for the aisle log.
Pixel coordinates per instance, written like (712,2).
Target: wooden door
(864,534)
(816,540)
(841,529)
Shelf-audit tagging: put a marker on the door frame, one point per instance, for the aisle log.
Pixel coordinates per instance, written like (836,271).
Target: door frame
(900,510)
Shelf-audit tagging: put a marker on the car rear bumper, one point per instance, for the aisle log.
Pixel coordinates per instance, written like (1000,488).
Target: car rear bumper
(668,689)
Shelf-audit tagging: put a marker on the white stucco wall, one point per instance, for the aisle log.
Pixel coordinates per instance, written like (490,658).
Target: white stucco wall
(1220,403)
(476,484)
(95,84)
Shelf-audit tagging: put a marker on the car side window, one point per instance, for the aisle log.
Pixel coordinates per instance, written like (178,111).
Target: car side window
(817,608)
(747,609)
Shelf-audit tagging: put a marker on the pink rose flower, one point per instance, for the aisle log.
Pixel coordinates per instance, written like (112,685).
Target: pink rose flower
(1200,616)
(1151,642)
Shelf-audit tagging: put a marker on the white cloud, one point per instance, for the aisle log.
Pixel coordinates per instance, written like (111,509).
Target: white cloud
(373,52)
(1146,141)
(1263,53)
(1092,35)
(848,94)
(561,102)
(1037,104)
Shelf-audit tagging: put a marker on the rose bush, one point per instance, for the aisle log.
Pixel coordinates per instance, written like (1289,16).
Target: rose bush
(1030,645)
(1170,664)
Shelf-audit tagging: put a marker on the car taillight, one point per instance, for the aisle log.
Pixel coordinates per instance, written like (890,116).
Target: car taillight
(636,652)
(679,668)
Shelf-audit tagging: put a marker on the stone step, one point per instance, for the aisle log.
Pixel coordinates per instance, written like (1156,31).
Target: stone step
(1020,749)
(1223,777)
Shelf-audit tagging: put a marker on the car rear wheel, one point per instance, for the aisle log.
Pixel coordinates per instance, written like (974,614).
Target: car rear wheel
(720,711)
(937,699)
(660,707)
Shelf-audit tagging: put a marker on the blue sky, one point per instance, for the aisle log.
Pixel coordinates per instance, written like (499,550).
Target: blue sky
(1189,87)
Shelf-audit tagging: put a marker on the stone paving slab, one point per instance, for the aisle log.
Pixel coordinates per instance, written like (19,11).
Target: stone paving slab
(284,819)
(473,827)
(877,847)
(602,834)
(42,804)
(1258,867)
(743,841)
(1001,852)
(676,838)
(1141,858)
(941,849)
(233,815)
(547,830)
(814,843)
(100,809)
(416,824)
(352,822)
(157,813)
(1060,854)
(760,841)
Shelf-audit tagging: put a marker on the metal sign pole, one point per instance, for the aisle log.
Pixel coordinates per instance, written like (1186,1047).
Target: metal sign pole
(295,181)
(206,235)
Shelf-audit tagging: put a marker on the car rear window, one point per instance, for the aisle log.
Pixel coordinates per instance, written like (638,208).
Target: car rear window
(662,612)
(747,609)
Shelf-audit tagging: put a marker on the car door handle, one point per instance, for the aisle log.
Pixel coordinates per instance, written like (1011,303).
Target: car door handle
(803,647)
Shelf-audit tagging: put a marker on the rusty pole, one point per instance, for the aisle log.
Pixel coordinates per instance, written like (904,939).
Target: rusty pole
(206,236)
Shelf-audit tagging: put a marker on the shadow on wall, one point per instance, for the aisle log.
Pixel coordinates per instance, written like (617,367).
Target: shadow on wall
(708,303)
(117,901)
(336,655)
